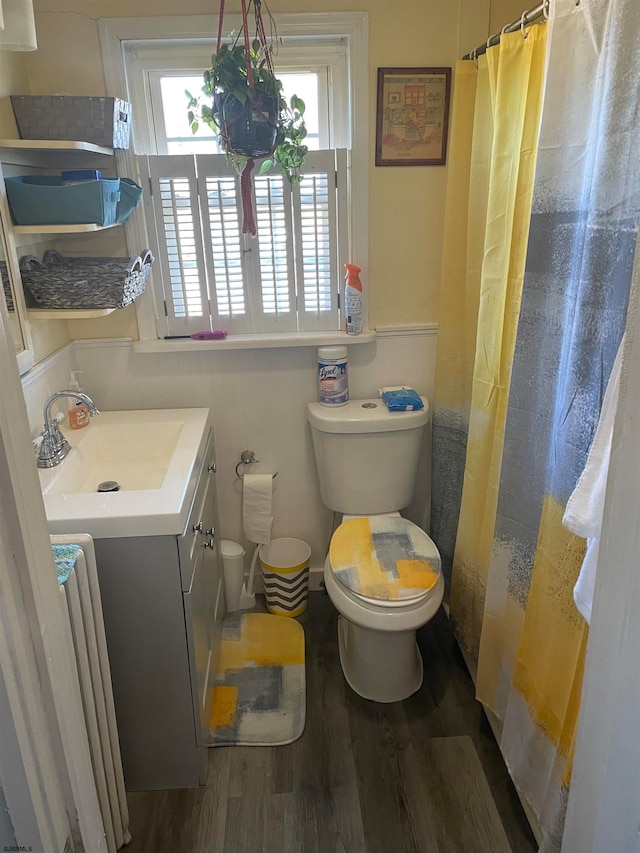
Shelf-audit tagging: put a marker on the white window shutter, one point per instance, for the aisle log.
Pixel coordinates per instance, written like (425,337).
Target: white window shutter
(224,244)
(286,279)
(316,243)
(343,235)
(178,246)
(274,269)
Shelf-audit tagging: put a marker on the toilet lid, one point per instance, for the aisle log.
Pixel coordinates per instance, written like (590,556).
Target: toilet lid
(384,558)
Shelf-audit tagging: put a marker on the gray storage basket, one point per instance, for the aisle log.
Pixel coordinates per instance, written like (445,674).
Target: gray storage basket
(6,285)
(85,283)
(103,121)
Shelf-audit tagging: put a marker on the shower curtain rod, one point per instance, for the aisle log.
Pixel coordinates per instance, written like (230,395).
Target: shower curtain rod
(539,11)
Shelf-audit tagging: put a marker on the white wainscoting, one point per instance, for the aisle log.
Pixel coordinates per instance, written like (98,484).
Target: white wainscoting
(257,400)
(44,379)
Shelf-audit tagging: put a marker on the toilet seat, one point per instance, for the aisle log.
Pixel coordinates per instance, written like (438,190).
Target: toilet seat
(385,562)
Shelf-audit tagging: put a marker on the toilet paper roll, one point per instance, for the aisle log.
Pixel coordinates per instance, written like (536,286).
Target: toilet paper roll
(257,490)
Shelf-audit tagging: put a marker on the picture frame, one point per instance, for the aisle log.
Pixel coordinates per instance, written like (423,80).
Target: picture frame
(412,120)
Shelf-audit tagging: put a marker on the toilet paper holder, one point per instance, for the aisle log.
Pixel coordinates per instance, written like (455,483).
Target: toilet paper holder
(248,457)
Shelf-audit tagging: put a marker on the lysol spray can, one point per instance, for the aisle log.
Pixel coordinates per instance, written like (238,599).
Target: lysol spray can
(333,382)
(353,299)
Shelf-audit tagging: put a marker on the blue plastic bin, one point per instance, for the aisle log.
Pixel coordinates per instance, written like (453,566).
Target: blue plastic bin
(45,200)
(130,197)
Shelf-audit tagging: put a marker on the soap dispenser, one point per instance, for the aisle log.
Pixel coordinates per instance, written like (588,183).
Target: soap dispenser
(78,412)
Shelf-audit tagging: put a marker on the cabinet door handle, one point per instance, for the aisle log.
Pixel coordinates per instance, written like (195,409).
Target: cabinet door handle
(210,543)
(211,468)
(197,528)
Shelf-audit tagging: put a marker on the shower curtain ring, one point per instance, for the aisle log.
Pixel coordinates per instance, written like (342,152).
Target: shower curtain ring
(545,9)
(522,25)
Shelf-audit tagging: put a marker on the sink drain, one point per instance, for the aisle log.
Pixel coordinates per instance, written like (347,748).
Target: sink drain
(109,486)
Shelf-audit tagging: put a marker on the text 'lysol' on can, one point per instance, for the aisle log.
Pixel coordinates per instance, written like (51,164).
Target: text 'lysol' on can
(333,381)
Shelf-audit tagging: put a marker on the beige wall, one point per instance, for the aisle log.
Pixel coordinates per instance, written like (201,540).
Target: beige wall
(406,203)
(13,78)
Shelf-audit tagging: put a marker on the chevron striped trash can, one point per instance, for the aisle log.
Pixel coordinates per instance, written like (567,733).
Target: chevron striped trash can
(285,570)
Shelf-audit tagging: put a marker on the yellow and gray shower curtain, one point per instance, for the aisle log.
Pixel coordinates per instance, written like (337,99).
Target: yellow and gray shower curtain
(535,285)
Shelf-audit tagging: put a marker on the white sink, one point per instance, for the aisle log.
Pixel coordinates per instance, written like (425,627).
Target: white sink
(153,455)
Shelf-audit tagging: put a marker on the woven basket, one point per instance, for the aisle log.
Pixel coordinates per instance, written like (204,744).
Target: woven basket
(87,283)
(103,121)
(6,285)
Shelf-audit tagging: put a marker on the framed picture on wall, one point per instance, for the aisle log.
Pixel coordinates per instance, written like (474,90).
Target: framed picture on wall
(413,116)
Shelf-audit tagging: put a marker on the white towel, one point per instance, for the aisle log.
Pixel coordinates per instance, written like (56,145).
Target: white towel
(585,507)
(256,507)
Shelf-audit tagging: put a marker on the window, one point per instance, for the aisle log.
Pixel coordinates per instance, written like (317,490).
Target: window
(173,135)
(286,279)
(153,55)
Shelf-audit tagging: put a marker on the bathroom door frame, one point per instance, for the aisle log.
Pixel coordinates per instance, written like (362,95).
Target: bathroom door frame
(45,764)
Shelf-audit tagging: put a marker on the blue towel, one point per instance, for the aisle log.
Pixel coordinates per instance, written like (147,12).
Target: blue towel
(65,557)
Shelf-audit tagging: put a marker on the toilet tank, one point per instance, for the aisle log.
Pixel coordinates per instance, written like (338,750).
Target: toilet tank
(366,456)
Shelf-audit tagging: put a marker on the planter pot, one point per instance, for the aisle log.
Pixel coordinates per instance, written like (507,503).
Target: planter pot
(248,129)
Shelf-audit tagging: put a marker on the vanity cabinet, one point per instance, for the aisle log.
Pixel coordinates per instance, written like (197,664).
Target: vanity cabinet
(163,603)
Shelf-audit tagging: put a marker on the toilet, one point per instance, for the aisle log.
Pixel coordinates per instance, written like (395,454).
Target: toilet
(382,572)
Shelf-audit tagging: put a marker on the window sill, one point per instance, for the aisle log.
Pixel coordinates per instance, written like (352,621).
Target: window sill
(265,341)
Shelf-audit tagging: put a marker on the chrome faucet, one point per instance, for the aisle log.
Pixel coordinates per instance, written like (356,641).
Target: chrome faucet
(54,446)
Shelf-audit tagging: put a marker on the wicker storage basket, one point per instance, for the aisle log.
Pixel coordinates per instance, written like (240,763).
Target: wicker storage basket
(6,285)
(89,283)
(103,121)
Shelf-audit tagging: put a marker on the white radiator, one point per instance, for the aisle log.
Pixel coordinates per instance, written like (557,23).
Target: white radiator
(82,602)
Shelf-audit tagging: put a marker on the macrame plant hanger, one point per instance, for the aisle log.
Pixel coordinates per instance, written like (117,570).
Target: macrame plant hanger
(248,218)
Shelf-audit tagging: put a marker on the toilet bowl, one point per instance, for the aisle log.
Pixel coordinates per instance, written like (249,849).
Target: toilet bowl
(383,576)
(382,572)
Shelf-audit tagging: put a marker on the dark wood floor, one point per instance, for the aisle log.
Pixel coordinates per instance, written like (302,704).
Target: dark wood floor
(422,776)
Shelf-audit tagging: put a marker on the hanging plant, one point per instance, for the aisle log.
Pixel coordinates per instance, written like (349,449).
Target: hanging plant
(242,102)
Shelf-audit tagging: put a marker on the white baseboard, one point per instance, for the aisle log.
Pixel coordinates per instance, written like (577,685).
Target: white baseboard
(316,579)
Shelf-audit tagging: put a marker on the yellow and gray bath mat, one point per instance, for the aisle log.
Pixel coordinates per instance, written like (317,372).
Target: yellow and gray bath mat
(259,694)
